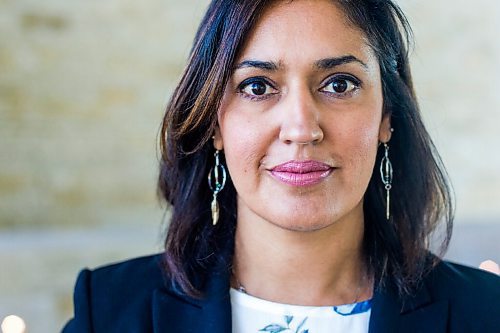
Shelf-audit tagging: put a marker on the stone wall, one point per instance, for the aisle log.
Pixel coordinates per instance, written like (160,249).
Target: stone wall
(82,88)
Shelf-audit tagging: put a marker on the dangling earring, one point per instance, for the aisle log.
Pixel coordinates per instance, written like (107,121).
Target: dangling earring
(217,186)
(386,175)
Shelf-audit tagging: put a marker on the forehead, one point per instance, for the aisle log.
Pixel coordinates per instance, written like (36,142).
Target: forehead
(305,30)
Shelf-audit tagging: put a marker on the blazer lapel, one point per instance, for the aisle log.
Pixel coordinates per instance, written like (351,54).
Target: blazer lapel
(418,313)
(173,311)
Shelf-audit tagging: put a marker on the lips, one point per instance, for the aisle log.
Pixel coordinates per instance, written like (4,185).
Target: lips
(301,173)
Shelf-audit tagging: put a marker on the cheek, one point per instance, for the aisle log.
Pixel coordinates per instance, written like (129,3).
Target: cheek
(240,160)
(242,147)
(360,144)
(366,142)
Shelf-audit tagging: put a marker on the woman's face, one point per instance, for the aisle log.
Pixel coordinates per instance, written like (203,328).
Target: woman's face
(301,118)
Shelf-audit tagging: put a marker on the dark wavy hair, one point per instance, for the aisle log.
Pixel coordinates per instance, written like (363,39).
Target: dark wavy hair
(398,249)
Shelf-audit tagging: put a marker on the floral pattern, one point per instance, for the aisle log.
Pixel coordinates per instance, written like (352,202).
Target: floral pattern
(350,309)
(277,328)
(344,310)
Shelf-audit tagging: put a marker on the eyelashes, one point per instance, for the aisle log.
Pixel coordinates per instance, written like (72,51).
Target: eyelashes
(341,85)
(257,88)
(336,86)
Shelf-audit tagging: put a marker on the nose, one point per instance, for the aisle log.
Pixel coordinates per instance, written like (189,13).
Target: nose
(301,120)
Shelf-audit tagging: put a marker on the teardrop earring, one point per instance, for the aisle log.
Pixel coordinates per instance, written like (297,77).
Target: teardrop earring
(386,172)
(218,171)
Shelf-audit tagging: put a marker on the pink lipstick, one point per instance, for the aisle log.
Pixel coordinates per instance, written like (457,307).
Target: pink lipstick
(301,173)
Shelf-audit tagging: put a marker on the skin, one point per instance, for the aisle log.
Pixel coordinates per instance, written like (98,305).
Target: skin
(311,235)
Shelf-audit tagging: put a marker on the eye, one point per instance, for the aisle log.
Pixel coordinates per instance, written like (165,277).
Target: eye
(256,88)
(341,85)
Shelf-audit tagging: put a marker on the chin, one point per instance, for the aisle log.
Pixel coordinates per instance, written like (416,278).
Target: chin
(302,222)
(296,227)
(312,216)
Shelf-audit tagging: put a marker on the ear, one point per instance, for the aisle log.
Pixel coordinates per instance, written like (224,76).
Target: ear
(218,142)
(385,130)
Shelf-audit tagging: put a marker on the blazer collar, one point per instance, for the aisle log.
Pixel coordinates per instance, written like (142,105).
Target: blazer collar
(173,311)
(416,313)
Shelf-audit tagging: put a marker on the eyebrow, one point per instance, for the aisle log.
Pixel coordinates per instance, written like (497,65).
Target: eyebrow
(265,65)
(327,63)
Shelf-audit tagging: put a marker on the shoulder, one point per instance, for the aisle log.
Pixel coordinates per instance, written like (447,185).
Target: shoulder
(119,293)
(126,284)
(473,295)
(142,272)
(450,298)
(461,281)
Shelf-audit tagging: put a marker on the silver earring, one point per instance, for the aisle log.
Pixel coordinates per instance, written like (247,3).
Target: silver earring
(386,175)
(216,185)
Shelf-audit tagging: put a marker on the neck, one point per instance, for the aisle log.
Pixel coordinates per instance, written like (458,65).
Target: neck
(317,268)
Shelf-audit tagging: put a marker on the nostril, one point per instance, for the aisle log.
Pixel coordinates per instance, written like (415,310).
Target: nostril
(302,138)
(318,135)
(301,129)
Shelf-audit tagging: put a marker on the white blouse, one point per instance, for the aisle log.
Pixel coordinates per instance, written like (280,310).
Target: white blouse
(251,315)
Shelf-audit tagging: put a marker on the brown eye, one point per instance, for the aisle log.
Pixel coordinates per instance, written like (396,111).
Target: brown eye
(258,88)
(341,85)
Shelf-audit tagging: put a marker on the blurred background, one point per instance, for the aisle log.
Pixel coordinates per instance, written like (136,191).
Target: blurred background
(82,88)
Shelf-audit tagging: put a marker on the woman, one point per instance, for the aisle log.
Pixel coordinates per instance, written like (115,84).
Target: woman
(323,188)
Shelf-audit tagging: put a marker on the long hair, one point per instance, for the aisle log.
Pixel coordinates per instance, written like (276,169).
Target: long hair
(421,198)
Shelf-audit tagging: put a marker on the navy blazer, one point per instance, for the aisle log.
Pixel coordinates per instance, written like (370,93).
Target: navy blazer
(134,296)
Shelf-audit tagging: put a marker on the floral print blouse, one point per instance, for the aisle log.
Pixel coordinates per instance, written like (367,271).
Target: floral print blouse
(253,315)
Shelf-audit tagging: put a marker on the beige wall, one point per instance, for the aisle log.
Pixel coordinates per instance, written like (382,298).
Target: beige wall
(456,64)
(82,87)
